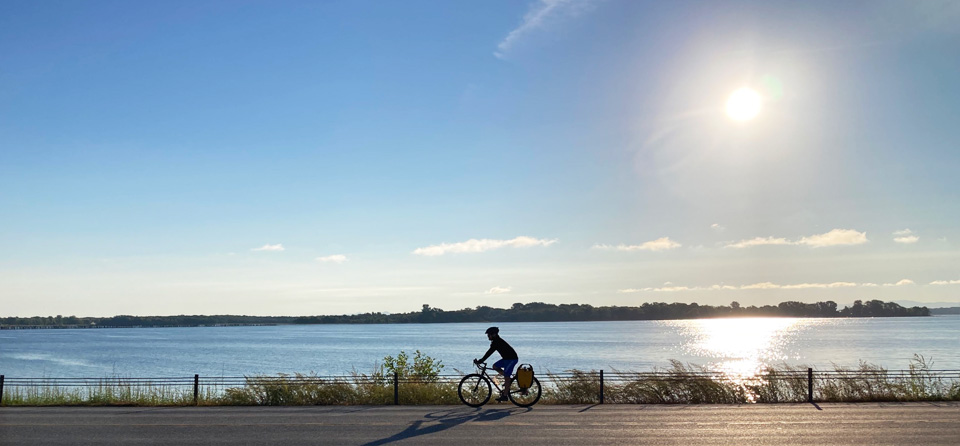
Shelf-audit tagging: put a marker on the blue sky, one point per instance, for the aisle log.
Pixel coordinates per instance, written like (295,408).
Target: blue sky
(288,158)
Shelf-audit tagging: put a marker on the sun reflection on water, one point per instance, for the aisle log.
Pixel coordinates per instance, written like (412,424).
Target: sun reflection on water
(740,349)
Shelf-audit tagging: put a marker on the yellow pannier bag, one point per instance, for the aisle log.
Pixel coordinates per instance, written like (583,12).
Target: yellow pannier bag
(525,376)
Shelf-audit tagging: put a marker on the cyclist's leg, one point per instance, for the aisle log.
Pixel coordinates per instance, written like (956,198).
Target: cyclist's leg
(508,370)
(507,365)
(499,367)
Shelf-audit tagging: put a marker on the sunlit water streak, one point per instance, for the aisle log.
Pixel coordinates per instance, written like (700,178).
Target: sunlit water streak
(743,348)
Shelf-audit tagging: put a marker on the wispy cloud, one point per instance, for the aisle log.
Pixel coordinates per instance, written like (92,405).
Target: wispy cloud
(905,236)
(718,227)
(759,241)
(268,247)
(498,290)
(945,282)
(802,286)
(660,244)
(540,14)
(481,245)
(836,237)
(900,283)
(760,286)
(336,258)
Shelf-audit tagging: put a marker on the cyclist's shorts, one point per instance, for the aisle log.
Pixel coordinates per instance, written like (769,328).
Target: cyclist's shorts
(507,365)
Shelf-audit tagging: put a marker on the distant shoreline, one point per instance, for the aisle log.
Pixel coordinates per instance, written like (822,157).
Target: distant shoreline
(532,312)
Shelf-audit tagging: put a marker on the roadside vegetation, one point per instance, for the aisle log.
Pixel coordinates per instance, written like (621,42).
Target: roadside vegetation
(420,380)
(693,384)
(106,393)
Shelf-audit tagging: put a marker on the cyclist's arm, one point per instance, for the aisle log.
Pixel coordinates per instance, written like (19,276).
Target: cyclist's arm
(487,355)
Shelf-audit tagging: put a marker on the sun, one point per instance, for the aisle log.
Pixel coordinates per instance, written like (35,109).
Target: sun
(743,104)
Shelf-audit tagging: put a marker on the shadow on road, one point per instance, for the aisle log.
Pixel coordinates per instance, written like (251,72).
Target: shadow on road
(445,419)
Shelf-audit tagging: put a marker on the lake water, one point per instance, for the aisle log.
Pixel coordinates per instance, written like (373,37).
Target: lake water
(737,345)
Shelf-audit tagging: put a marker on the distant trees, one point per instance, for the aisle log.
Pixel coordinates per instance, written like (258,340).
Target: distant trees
(544,312)
(876,308)
(138,321)
(518,312)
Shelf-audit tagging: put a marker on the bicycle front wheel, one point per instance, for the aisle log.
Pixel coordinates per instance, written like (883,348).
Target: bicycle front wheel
(474,390)
(525,397)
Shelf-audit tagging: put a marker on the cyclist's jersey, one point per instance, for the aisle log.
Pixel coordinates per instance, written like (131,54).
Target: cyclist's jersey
(500,346)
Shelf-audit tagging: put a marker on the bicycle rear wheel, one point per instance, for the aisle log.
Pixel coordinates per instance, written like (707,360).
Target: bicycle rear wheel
(474,390)
(525,397)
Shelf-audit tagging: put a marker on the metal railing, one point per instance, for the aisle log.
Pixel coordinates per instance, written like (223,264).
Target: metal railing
(601,379)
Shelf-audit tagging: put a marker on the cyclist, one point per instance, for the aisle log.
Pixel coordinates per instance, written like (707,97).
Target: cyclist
(508,359)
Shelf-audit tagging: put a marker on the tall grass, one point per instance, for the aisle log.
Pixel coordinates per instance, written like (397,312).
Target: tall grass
(108,392)
(420,382)
(375,389)
(680,384)
(693,384)
(870,382)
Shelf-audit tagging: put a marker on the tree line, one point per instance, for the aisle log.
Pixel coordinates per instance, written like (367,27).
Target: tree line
(543,312)
(531,312)
(141,321)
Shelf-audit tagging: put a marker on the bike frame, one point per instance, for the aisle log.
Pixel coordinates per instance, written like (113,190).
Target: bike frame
(482,367)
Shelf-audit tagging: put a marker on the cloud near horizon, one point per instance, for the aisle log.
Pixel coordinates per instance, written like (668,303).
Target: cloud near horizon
(762,286)
(336,258)
(836,237)
(900,283)
(758,241)
(905,236)
(268,247)
(481,245)
(907,239)
(945,282)
(498,290)
(660,244)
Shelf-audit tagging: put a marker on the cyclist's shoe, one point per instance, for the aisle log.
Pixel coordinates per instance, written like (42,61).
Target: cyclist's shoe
(503,398)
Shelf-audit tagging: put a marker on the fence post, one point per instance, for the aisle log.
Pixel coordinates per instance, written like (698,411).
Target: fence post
(1,390)
(809,384)
(396,388)
(601,386)
(196,389)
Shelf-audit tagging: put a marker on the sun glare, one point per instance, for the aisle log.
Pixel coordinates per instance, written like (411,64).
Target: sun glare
(740,348)
(743,104)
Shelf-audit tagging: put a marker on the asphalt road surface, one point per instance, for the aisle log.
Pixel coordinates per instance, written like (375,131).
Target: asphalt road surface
(781,424)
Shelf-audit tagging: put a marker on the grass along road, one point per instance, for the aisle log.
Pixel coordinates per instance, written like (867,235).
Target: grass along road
(830,424)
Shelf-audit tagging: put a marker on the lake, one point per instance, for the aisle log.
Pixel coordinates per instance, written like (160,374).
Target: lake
(736,345)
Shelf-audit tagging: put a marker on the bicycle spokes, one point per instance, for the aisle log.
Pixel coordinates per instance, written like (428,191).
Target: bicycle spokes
(474,390)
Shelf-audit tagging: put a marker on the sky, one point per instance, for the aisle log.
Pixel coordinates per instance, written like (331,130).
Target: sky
(305,158)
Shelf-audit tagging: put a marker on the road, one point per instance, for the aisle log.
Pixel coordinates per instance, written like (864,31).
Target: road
(799,424)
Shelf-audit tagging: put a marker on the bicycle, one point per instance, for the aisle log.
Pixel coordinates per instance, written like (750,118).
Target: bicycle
(475,389)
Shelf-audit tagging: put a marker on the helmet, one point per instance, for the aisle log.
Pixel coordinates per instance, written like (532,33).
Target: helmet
(492,330)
